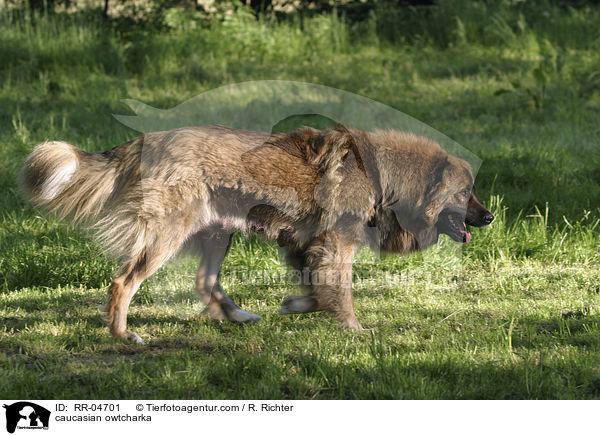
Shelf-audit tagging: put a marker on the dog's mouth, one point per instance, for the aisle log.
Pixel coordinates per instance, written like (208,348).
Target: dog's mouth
(452,223)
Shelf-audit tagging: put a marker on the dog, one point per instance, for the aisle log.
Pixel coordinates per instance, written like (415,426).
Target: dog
(321,194)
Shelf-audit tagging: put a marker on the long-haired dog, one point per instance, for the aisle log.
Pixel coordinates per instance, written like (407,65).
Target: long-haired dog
(320,193)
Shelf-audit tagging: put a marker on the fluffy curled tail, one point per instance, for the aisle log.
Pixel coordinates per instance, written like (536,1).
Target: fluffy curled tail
(68,181)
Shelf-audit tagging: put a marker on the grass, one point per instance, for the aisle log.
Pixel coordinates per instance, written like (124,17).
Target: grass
(516,316)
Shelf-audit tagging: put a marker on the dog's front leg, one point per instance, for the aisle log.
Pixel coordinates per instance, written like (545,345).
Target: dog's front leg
(329,260)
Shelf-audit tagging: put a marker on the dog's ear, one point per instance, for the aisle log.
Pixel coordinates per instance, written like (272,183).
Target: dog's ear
(436,191)
(323,149)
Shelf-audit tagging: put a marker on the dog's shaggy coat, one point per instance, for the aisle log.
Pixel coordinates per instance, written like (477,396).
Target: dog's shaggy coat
(321,194)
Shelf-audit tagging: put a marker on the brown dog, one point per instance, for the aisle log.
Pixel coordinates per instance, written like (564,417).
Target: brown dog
(319,193)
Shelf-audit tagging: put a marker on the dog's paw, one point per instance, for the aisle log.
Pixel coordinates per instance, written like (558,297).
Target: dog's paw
(298,304)
(130,337)
(351,324)
(134,337)
(242,316)
(213,311)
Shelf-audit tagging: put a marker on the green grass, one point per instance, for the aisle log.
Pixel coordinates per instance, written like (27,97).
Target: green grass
(516,316)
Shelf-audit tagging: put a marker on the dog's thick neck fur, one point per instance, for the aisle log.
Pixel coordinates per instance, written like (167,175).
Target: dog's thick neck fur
(399,202)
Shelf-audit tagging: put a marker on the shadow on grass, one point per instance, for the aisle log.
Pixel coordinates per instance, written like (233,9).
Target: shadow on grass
(221,360)
(191,368)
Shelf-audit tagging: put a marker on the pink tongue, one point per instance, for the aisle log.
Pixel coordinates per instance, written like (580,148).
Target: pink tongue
(467,236)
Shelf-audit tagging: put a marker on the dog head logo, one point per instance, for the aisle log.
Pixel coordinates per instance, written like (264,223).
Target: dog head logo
(26,415)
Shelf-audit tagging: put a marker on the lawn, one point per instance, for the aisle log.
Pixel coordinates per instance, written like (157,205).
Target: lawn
(514,315)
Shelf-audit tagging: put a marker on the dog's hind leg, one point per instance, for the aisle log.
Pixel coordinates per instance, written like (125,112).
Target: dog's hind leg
(124,287)
(218,305)
(122,290)
(120,293)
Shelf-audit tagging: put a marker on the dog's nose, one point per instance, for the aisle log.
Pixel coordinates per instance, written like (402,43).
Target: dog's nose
(488,218)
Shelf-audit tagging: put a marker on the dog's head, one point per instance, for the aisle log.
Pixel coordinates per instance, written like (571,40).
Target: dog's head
(452,218)
(452,202)
(429,192)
